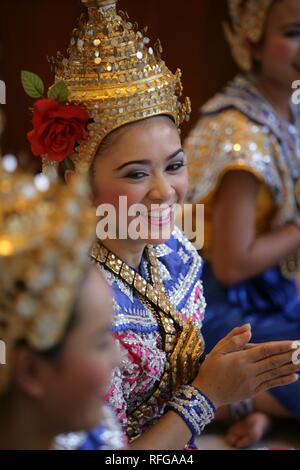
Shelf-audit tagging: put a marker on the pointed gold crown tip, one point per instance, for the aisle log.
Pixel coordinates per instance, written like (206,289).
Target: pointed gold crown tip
(113,72)
(98,3)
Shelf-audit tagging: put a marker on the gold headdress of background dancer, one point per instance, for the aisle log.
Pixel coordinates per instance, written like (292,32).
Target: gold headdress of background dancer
(45,235)
(113,71)
(248,19)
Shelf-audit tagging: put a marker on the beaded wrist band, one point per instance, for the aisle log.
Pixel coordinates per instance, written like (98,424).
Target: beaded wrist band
(241,409)
(193,407)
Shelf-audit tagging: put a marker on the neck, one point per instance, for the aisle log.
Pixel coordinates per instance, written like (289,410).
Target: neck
(20,429)
(129,251)
(277,95)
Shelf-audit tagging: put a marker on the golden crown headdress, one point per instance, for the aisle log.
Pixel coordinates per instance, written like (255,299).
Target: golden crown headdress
(248,19)
(113,72)
(45,236)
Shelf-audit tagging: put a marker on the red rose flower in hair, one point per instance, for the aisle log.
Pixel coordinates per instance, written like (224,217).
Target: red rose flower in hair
(57,127)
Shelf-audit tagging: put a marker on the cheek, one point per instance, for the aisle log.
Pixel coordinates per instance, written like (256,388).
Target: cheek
(181,185)
(280,50)
(89,377)
(106,193)
(110,193)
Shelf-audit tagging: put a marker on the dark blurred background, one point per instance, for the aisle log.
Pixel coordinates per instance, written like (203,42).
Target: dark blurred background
(30,30)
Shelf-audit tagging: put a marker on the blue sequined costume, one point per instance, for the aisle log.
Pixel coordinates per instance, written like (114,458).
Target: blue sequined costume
(107,436)
(138,333)
(239,130)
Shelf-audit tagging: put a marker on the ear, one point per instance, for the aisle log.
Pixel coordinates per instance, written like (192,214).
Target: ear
(93,198)
(255,50)
(29,372)
(69,175)
(93,194)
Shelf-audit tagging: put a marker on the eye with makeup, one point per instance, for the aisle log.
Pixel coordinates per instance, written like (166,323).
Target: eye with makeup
(102,339)
(138,174)
(292,32)
(105,341)
(176,166)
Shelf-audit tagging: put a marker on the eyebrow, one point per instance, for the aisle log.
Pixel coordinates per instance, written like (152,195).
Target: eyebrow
(145,162)
(291,25)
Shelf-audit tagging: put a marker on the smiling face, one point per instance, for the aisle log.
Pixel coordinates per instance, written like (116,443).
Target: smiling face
(279,52)
(67,391)
(88,358)
(90,353)
(144,161)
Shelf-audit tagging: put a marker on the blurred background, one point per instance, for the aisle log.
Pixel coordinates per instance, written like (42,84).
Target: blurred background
(30,30)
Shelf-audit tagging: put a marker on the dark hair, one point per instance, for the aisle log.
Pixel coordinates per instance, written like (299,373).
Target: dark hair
(51,355)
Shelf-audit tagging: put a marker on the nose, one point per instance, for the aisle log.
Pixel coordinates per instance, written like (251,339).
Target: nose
(161,190)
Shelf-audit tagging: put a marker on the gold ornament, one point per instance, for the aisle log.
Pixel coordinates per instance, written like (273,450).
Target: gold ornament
(113,71)
(291,264)
(45,234)
(248,19)
(297,191)
(183,342)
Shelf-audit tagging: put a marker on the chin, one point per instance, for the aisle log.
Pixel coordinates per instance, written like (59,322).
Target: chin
(296,74)
(88,418)
(92,419)
(160,234)
(157,241)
